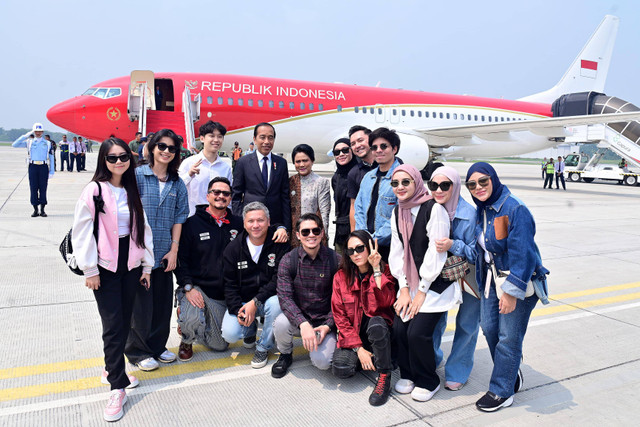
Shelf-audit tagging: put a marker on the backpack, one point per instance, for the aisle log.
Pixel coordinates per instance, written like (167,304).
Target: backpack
(66,249)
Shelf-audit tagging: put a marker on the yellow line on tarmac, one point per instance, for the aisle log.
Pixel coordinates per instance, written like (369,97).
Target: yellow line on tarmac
(94,382)
(584,304)
(596,291)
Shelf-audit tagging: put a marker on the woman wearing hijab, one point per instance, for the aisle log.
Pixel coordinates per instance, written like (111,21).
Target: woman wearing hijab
(344,162)
(424,296)
(445,189)
(506,249)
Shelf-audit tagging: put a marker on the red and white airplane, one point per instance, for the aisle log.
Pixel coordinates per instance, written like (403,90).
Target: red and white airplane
(430,124)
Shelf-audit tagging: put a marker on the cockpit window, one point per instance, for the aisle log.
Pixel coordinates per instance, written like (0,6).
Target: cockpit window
(103,92)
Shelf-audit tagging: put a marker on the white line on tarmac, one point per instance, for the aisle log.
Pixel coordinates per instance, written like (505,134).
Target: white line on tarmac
(249,373)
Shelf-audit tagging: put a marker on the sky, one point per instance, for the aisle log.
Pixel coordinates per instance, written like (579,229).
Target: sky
(52,51)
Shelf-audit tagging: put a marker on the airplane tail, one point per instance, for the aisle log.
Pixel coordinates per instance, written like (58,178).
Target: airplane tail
(588,72)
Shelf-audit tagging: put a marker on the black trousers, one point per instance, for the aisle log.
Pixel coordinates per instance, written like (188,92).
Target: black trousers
(560,177)
(38,180)
(376,338)
(151,320)
(115,298)
(64,157)
(548,180)
(416,356)
(82,160)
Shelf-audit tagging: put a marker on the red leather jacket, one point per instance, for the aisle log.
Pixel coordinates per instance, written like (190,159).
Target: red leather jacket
(349,303)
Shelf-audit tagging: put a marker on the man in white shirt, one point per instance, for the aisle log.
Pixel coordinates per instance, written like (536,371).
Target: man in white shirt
(560,173)
(196,171)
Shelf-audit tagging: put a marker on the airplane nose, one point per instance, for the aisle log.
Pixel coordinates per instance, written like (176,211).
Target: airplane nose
(63,114)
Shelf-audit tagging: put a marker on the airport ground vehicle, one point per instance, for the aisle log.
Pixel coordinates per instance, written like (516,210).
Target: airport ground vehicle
(579,167)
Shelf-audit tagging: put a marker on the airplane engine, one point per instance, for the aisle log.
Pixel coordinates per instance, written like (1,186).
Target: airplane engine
(414,150)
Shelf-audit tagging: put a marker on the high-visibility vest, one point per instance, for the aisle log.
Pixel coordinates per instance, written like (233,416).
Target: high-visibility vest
(550,168)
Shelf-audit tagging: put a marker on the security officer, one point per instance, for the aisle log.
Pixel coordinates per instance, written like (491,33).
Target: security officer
(64,153)
(550,170)
(40,159)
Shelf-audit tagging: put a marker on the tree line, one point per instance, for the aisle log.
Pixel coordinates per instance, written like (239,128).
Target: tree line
(13,134)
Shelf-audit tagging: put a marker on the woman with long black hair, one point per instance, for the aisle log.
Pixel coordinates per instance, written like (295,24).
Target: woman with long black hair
(345,161)
(118,262)
(165,202)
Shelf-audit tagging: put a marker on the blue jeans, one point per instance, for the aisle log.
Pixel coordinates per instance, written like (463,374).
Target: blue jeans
(232,331)
(505,334)
(460,361)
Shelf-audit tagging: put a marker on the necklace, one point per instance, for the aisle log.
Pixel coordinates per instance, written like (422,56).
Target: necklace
(164,179)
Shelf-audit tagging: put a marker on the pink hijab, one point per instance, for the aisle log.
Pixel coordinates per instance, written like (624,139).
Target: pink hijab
(405,223)
(452,204)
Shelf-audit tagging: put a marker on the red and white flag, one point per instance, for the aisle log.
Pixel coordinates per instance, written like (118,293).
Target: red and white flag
(588,68)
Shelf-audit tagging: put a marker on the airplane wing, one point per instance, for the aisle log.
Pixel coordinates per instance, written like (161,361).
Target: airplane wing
(552,127)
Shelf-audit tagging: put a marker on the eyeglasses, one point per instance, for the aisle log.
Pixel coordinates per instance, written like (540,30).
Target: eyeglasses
(112,158)
(344,150)
(405,182)
(163,147)
(382,147)
(219,192)
(482,182)
(433,186)
(306,231)
(357,250)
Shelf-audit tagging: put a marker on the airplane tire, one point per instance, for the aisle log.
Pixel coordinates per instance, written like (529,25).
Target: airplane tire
(630,180)
(588,179)
(575,177)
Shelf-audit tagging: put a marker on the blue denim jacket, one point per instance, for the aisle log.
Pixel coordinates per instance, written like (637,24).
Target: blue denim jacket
(510,239)
(386,203)
(464,231)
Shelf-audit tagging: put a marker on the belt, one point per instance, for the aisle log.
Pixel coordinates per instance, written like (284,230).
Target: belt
(37,162)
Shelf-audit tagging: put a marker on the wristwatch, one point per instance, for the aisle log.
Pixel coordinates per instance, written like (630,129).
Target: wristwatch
(257,302)
(188,287)
(355,349)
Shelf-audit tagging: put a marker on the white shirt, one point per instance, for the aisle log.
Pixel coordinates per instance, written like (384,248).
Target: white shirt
(437,228)
(254,250)
(123,209)
(261,162)
(197,185)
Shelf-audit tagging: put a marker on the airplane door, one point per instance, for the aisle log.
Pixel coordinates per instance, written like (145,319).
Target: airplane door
(379,113)
(138,78)
(394,113)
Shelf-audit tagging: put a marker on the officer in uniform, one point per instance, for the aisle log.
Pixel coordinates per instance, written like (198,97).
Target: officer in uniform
(64,153)
(40,159)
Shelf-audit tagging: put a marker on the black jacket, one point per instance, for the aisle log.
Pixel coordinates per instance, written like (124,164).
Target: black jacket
(202,244)
(243,278)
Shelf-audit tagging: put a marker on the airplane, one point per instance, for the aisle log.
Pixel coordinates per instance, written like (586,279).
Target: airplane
(431,125)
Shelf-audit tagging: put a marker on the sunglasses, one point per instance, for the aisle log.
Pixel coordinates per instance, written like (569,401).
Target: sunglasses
(433,186)
(344,150)
(382,147)
(163,147)
(306,231)
(357,250)
(219,192)
(112,158)
(405,182)
(482,182)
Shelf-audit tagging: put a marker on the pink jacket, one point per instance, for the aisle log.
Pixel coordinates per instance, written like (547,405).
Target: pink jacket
(87,255)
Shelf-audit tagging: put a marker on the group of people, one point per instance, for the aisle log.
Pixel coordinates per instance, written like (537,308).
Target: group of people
(249,251)
(549,170)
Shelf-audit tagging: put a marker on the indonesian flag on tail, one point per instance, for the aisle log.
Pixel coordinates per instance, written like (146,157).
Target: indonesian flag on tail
(588,68)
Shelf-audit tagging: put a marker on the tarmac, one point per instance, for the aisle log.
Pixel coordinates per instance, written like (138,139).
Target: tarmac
(581,353)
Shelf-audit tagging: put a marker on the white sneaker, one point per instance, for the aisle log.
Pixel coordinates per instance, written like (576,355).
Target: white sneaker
(113,410)
(167,357)
(132,380)
(404,386)
(148,364)
(422,394)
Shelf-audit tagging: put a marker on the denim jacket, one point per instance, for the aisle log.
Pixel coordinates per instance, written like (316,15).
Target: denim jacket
(386,203)
(463,231)
(510,239)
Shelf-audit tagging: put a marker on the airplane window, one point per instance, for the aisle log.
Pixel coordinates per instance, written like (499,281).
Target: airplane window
(426,114)
(302,106)
(395,112)
(356,109)
(220,100)
(113,92)
(404,113)
(281,104)
(100,93)
(441,115)
(209,99)
(455,116)
(311,106)
(260,103)
(475,117)
(489,118)
(292,105)
(271,104)
(447,116)
(250,102)
(240,101)
(502,119)
(411,113)
(230,101)
(371,110)
(483,118)
(320,107)
(419,113)
(89,91)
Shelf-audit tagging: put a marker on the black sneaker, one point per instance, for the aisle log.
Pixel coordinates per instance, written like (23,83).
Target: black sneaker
(382,390)
(281,367)
(260,359)
(249,342)
(519,382)
(490,402)
(35,212)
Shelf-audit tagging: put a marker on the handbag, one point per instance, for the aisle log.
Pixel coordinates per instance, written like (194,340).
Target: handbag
(455,268)
(66,248)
